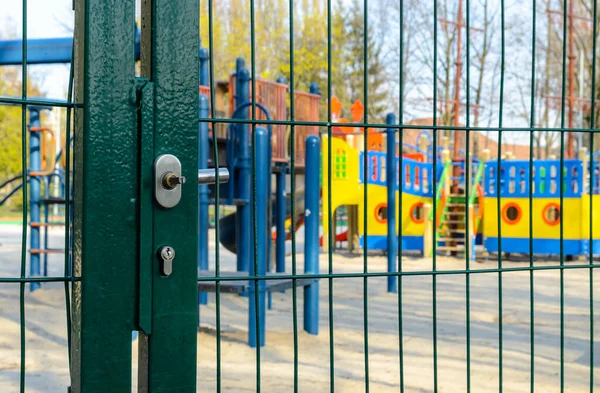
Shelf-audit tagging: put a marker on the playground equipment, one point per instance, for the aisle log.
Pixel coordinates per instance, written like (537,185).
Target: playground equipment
(261,288)
(271,157)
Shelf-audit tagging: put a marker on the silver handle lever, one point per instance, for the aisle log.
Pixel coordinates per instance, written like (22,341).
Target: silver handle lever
(208,176)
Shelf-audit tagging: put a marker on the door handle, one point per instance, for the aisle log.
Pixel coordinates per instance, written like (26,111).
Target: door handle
(208,176)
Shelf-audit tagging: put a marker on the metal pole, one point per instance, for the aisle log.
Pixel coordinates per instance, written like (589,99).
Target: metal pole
(243,183)
(391,169)
(314,88)
(34,196)
(311,233)
(204,70)
(262,203)
(203,190)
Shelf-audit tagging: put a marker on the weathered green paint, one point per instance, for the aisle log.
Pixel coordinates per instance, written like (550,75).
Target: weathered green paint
(125,123)
(106,191)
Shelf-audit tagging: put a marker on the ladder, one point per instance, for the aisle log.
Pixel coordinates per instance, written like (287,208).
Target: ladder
(451,233)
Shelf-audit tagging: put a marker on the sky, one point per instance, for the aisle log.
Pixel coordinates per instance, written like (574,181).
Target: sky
(45,19)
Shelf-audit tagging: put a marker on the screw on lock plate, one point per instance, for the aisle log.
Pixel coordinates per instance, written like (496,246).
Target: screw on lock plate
(166,255)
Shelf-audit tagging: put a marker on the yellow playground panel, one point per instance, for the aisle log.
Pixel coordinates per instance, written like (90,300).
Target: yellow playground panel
(347,189)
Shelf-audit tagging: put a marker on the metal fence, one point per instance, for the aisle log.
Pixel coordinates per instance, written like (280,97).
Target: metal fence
(136,263)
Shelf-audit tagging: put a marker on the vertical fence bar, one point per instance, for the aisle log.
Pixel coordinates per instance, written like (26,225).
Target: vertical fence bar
(293,141)
(592,171)
(68,243)
(203,202)
(311,230)
(499,212)
(531,186)
(217,192)
(561,174)
(391,169)
(329,212)
(254,207)
(365,52)
(25,189)
(435,185)
(398,174)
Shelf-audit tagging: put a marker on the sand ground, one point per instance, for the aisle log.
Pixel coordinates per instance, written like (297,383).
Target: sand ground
(46,339)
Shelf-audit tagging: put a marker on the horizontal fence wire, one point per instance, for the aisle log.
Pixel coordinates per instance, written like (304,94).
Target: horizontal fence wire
(395,126)
(437,272)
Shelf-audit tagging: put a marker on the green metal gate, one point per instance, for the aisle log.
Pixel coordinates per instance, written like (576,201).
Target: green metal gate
(122,237)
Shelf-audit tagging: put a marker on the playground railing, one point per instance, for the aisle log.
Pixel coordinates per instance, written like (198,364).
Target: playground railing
(273,96)
(440,196)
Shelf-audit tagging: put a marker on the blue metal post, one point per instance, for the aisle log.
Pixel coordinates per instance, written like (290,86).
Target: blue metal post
(34,196)
(259,289)
(243,180)
(203,194)
(311,233)
(280,220)
(392,237)
(204,71)
(314,88)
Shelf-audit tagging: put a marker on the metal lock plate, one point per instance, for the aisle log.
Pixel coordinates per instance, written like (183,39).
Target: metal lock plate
(166,255)
(167,180)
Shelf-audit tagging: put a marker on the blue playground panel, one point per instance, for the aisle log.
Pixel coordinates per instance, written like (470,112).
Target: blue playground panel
(514,179)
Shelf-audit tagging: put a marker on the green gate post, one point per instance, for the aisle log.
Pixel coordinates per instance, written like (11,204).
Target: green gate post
(170,47)
(120,129)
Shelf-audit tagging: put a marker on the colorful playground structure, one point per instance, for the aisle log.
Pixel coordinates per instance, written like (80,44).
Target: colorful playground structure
(469,197)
